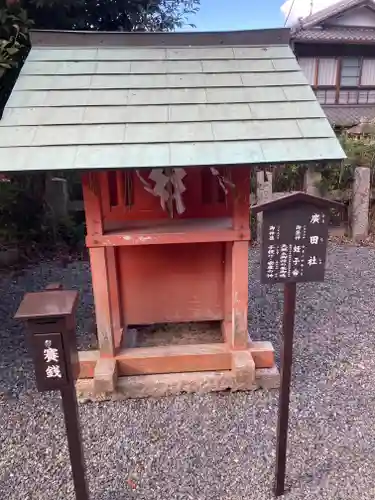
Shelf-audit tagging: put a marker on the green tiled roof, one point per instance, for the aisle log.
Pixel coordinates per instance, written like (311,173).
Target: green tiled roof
(85,107)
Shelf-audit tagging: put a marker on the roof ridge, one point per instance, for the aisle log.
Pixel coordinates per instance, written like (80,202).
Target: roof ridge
(58,38)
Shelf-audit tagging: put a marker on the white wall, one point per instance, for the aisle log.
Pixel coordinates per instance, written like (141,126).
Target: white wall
(359,17)
(302,8)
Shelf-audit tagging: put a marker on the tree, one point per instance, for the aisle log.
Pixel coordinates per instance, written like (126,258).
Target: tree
(14,26)
(108,15)
(17,16)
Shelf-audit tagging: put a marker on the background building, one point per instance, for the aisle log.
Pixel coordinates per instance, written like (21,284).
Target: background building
(336,50)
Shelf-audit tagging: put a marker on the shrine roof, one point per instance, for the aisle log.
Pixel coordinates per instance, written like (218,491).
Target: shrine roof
(118,100)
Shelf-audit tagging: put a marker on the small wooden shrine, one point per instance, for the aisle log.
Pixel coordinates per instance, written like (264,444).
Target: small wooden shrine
(165,129)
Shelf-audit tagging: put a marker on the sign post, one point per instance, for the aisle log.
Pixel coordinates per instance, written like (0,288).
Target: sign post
(293,249)
(50,318)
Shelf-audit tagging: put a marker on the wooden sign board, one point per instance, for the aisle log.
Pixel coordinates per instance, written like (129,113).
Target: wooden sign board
(49,361)
(294,244)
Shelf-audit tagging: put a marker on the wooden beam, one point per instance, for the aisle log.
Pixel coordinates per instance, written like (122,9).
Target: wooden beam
(338,80)
(360,73)
(316,71)
(263,354)
(174,359)
(133,238)
(163,359)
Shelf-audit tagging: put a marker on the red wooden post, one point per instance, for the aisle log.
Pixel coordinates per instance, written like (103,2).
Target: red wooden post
(118,325)
(103,311)
(240,258)
(241,197)
(103,270)
(227,329)
(91,197)
(240,284)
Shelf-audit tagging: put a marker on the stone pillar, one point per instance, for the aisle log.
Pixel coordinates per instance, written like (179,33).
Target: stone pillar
(57,197)
(312,181)
(361,200)
(264,193)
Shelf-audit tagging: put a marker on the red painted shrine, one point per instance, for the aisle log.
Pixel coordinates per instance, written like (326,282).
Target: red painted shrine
(165,129)
(174,260)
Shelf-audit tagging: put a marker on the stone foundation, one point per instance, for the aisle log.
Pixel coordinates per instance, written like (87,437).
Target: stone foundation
(144,386)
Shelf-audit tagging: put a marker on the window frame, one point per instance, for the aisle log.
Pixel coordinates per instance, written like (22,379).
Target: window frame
(337,87)
(360,65)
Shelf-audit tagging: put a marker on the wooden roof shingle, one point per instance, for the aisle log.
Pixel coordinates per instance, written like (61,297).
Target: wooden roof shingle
(82,107)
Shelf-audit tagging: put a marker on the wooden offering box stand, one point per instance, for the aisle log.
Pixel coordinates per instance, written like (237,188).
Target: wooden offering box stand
(150,268)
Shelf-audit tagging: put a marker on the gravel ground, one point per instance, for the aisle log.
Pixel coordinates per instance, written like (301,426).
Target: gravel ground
(216,446)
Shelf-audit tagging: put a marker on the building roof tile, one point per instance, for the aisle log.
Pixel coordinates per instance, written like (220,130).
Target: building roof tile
(347,116)
(336,34)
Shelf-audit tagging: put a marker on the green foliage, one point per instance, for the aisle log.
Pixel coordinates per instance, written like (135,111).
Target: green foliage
(25,220)
(14,21)
(21,214)
(14,45)
(108,15)
(14,27)
(8,50)
(288,178)
(360,151)
(71,233)
(337,177)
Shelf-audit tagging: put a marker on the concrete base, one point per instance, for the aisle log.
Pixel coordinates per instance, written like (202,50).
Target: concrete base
(144,386)
(243,371)
(105,376)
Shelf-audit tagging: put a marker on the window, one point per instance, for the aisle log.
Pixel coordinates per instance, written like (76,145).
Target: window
(330,74)
(319,72)
(327,70)
(368,73)
(307,64)
(350,71)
